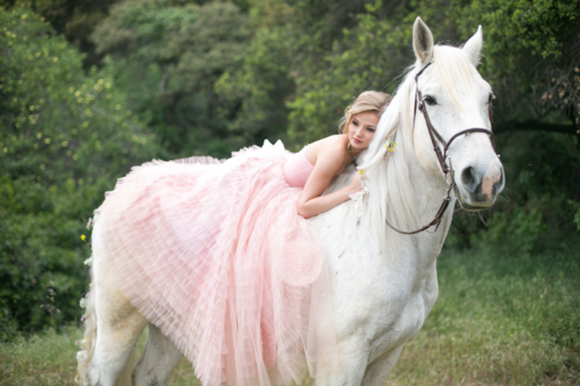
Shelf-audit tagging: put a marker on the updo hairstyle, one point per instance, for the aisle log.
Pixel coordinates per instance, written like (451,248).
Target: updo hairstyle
(367,101)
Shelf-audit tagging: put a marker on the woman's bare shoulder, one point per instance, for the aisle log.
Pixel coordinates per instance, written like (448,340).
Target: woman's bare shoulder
(331,146)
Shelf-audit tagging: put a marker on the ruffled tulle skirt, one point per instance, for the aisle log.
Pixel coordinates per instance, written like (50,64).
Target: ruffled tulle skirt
(214,254)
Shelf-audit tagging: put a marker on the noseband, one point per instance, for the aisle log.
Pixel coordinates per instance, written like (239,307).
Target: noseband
(441,155)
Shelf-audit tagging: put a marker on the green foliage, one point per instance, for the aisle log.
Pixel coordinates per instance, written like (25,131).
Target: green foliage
(73,19)
(518,230)
(179,52)
(368,56)
(538,209)
(257,91)
(66,136)
(576,210)
(304,66)
(531,55)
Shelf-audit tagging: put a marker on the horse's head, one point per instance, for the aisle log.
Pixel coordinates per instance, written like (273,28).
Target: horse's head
(452,112)
(441,118)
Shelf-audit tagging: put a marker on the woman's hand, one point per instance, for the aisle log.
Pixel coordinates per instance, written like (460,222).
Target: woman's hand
(355,184)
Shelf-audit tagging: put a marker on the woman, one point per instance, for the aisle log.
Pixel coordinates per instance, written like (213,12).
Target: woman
(331,155)
(215,254)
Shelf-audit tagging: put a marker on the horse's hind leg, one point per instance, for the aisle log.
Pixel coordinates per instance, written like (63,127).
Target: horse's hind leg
(158,360)
(119,326)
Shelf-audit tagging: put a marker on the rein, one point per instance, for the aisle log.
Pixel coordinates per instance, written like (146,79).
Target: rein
(441,155)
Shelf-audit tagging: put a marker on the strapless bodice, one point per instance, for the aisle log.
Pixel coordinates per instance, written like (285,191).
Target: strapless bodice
(297,169)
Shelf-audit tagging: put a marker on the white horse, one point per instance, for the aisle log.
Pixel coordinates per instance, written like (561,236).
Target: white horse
(383,283)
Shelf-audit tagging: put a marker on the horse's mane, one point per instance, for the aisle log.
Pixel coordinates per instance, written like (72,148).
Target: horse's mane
(391,191)
(388,180)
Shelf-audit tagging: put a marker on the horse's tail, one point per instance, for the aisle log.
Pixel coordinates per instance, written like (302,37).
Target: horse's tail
(85,356)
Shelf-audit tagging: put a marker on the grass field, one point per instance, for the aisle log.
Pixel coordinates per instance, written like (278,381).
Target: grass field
(499,320)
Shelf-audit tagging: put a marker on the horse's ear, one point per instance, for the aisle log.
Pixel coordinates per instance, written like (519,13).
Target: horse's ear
(473,47)
(422,41)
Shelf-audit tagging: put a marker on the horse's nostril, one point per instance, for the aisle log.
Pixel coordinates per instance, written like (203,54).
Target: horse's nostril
(498,186)
(468,176)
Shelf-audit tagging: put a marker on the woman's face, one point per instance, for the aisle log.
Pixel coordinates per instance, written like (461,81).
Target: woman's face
(361,129)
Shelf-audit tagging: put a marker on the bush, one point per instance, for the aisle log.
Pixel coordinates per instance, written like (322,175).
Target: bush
(66,136)
(538,211)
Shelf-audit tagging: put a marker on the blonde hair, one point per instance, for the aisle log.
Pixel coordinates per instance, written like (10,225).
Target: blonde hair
(367,101)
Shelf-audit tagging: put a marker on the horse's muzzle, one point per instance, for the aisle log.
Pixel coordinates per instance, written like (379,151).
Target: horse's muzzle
(478,188)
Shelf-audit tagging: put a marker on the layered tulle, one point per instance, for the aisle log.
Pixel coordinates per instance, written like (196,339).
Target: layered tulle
(214,254)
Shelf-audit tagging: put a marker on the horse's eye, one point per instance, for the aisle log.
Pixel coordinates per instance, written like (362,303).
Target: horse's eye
(430,100)
(491,98)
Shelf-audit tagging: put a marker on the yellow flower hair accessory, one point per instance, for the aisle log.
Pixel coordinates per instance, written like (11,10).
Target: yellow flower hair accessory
(391,147)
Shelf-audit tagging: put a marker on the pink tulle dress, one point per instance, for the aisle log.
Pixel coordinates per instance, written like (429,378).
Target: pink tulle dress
(214,254)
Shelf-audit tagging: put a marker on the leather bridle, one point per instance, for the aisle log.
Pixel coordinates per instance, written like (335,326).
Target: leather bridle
(441,155)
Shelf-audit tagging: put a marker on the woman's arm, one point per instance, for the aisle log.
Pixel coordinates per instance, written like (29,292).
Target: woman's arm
(311,201)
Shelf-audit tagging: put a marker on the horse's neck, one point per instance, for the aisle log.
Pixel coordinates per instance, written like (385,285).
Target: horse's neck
(415,204)
(428,200)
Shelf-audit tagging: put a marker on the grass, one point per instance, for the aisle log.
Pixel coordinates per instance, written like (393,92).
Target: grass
(49,358)
(42,359)
(499,320)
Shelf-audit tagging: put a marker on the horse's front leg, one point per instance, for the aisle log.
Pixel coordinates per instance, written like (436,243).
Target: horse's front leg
(378,370)
(352,362)
(159,358)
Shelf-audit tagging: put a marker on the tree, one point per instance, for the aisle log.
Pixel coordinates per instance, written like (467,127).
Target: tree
(532,59)
(73,19)
(184,50)
(66,137)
